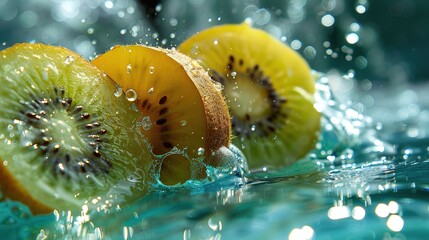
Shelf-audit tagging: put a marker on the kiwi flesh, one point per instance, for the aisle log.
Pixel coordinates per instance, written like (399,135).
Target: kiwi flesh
(65,138)
(269,90)
(186,116)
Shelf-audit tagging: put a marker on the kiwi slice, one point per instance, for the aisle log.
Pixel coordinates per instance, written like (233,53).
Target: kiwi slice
(64,136)
(269,89)
(182,106)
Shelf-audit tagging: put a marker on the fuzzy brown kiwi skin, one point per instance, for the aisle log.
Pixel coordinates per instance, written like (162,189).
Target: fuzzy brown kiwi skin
(218,127)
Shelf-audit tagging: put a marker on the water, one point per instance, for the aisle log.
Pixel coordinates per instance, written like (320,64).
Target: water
(355,184)
(366,179)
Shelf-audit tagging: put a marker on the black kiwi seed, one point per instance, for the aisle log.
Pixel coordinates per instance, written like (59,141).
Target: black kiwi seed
(247,126)
(144,103)
(161,121)
(163,111)
(163,100)
(167,144)
(37,111)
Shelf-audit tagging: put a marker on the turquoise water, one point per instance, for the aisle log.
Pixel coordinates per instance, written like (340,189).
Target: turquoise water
(367,178)
(361,182)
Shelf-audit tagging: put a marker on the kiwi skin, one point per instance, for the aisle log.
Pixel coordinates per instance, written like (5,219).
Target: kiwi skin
(218,120)
(218,125)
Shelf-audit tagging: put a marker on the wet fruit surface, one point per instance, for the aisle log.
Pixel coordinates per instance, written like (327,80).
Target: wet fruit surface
(269,89)
(182,109)
(64,136)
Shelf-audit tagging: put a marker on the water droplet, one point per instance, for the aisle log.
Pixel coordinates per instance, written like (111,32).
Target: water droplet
(328,20)
(218,86)
(296,44)
(173,22)
(151,69)
(123,31)
(150,91)
(146,123)
(108,4)
(45,75)
(195,64)
(69,60)
(90,30)
(131,95)
(200,151)
(129,67)
(183,123)
(352,38)
(118,91)
(194,73)
(361,9)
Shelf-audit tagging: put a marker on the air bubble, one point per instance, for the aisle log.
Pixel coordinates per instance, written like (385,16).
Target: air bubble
(129,68)
(131,95)
(151,69)
(90,30)
(123,31)
(215,42)
(69,60)
(233,74)
(200,151)
(118,91)
(146,123)
(173,22)
(183,123)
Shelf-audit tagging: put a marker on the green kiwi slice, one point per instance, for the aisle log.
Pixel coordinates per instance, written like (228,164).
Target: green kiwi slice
(269,90)
(65,138)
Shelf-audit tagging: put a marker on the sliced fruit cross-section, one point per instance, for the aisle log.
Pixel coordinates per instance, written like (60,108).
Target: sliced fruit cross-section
(181,106)
(65,138)
(269,89)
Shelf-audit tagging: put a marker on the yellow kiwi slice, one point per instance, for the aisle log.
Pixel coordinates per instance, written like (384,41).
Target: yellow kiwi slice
(181,106)
(65,138)
(268,87)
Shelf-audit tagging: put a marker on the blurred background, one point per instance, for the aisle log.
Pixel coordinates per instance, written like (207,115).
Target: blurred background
(381,40)
(380,44)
